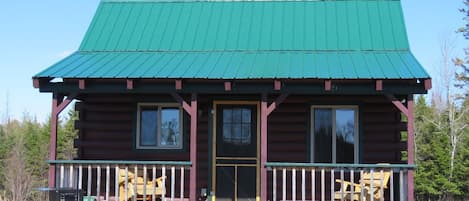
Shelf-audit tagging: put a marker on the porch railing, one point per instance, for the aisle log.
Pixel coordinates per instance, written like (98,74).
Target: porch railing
(324,182)
(99,179)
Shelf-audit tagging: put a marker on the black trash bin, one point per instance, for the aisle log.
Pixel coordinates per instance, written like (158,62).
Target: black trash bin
(65,194)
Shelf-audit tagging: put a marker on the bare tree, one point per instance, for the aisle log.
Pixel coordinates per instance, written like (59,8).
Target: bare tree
(18,179)
(450,113)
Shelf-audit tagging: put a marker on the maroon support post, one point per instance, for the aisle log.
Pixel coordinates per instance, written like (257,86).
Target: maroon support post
(53,140)
(410,147)
(58,105)
(193,147)
(265,112)
(264,115)
(409,112)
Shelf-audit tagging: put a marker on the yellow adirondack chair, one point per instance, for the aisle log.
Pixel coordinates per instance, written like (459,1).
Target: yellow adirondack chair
(138,187)
(380,182)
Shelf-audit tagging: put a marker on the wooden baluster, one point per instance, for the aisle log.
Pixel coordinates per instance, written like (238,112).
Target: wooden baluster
(284,184)
(98,182)
(88,186)
(274,184)
(182,183)
(303,184)
(173,182)
(108,181)
(293,184)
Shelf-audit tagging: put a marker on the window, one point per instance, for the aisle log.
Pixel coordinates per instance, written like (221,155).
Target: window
(334,134)
(237,126)
(159,126)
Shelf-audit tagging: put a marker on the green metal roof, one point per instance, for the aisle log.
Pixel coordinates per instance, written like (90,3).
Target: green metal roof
(239,65)
(343,39)
(247,25)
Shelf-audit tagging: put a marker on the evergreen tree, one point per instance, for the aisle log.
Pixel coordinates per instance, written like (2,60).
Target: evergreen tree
(65,137)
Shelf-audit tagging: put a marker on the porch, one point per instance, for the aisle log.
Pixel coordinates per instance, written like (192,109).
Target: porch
(99,180)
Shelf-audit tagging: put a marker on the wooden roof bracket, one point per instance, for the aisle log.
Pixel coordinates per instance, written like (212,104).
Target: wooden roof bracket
(227,86)
(427,84)
(130,84)
(277,85)
(36,83)
(327,85)
(81,84)
(379,85)
(398,104)
(178,84)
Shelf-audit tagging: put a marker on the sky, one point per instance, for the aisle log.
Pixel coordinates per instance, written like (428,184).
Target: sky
(36,34)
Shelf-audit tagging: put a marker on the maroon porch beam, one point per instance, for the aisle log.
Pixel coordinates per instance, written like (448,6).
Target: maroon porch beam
(379,85)
(266,110)
(58,105)
(428,84)
(130,84)
(36,83)
(409,113)
(192,111)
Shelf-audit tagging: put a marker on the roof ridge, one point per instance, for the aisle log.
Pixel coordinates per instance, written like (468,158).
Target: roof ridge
(242,51)
(189,1)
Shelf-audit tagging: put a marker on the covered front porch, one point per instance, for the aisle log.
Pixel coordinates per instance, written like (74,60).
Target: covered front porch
(283,171)
(286,181)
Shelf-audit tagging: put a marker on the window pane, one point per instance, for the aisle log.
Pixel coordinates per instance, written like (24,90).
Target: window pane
(246,139)
(170,134)
(323,135)
(237,115)
(148,127)
(227,132)
(246,115)
(345,132)
(227,115)
(237,133)
(237,126)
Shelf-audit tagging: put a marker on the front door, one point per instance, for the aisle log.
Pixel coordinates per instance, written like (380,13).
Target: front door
(236,152)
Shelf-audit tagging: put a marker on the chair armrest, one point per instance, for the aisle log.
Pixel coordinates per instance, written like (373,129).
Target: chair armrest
(159,181)
(345,182)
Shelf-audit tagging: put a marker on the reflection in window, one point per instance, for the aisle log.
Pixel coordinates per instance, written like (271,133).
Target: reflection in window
(237,126)
(323,135)
(334,134)
(148,127)
(159,127)
(345,135)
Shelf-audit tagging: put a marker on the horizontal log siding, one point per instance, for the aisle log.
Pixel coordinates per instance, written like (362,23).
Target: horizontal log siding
(106,131)
(107,123)
(289,127)
(381,126)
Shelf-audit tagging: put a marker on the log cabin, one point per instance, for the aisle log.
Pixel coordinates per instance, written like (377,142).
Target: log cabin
(240,100)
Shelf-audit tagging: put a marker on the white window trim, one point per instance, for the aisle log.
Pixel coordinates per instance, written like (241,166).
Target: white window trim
(356,129)
(159,106)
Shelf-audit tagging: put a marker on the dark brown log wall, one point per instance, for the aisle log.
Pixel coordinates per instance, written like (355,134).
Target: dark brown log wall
(380,129)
